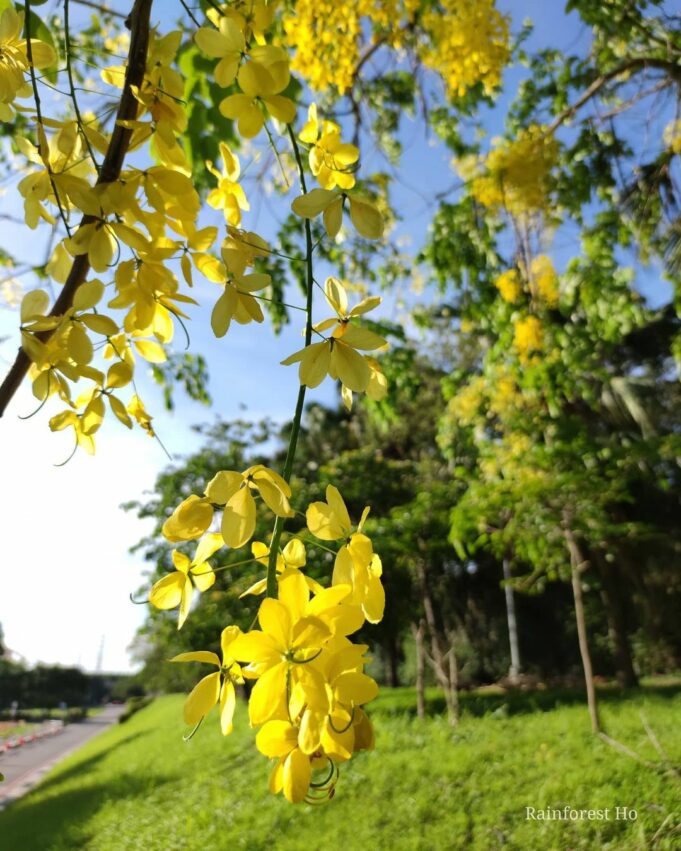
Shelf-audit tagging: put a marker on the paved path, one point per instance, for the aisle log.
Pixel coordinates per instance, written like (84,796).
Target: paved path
(23,767)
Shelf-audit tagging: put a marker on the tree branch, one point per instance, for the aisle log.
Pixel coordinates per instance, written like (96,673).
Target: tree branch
(138,21)
(636,64)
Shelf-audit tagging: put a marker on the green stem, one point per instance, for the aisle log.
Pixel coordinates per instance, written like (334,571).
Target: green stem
(298,416)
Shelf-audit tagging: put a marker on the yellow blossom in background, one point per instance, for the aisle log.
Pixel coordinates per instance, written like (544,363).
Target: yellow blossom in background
(517,173)
(509,285)
(672,136)
(544,278)
(327,35)
(528,335)
(465,405)
(468,43)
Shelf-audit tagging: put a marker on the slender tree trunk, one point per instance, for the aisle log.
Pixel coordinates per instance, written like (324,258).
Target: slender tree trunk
(453,673)
(439,655)
(577,565)
(419,632)
(514,670)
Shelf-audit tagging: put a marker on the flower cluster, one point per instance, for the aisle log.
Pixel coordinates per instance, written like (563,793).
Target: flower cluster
(517,173)
(468,43)
(327,35)
(309,685)
(14,61)
(528,336)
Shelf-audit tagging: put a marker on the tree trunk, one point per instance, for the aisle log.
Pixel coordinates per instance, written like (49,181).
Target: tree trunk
(419,632)
(514,670)
(439,655)
(577,565)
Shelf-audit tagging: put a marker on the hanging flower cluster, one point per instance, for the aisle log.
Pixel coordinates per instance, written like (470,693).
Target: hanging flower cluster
(309,686)
(468,44)
(516,176)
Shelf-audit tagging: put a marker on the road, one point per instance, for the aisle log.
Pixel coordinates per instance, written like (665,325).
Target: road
(23,767)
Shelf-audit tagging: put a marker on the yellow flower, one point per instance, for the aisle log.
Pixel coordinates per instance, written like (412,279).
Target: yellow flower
(518,174)
(356,563)
(177,588)
(294,629)
(543,276)
(293,771)
(509,285)
(261,80)
(330,159)
(528,335)
(226,43)
(469,43)
(14,58)
(233,490)
(228,196)
(214,688)
(337,356)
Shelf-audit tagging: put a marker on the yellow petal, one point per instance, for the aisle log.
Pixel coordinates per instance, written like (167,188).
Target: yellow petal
(297,773)
(365,217)
(167,592)
(255,646)
(294,553)
(223,486)
(227,707)
(238,518)
(202,699)
(333,217)
(208,545)
(227,637)
(185,603)
(294,594)
(268,697)
(350,367)
(313,203)
(203,576)
(310,734)
(275,620)
(276,738)
(190,520)
(198,656)
(353,688)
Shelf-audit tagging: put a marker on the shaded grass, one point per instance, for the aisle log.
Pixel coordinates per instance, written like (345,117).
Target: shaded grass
(426,786)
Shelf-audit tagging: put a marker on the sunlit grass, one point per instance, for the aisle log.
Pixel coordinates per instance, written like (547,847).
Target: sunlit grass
(426,786)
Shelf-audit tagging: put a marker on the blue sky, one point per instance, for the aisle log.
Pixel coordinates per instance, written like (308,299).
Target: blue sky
(66,570)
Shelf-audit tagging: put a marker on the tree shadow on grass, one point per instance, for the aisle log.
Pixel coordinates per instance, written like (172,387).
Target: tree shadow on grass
(515,701)
(60,821)
(82,767)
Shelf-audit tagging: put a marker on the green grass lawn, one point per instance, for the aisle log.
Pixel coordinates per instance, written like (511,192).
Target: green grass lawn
(426,786)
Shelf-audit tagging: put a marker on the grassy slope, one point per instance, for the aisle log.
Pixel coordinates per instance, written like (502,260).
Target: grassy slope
(138,786)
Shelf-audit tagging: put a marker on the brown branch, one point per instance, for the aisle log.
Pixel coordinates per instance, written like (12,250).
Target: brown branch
(636,64)
(138,21)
